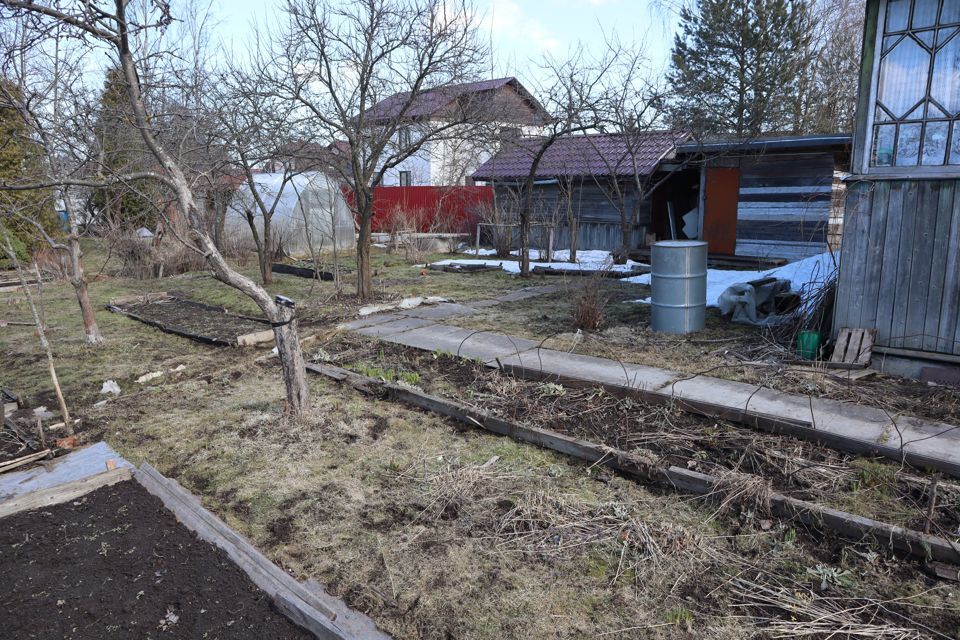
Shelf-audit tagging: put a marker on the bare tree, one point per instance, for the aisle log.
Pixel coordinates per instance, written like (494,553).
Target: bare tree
(572,94)
(357,73)
(108,25)
(7,247)
(635,111)
(39,92)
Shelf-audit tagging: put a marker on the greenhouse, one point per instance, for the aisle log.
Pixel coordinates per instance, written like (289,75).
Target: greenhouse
(310,213)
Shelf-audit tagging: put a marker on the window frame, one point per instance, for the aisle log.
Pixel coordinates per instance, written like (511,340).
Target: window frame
(406,179)
(866,119)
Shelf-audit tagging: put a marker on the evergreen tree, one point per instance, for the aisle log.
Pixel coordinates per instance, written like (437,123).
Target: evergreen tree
(21,160)
(738,66)
(121,150)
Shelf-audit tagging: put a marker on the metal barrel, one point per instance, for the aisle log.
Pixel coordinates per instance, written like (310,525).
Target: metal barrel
(679,286)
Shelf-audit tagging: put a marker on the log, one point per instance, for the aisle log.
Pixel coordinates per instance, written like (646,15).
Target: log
(846,525)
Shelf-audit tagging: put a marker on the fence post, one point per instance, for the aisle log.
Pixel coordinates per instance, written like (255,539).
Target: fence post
(478,239)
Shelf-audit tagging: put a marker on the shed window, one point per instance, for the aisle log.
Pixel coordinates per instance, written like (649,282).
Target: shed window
(916,108)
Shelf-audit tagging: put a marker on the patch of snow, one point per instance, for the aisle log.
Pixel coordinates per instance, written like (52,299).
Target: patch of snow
(405,304)
(586,260)
(806,277)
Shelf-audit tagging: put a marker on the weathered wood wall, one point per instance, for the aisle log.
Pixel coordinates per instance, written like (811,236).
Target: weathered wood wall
(598,218)
(785,204)
(901,263)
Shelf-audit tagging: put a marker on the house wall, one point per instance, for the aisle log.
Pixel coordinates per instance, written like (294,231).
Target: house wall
(452,160)
(598,219)
(784,208)
(901,263)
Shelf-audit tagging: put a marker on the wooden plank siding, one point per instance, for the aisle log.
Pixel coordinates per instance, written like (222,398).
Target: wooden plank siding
(901,264)
(784,208)
(598,219)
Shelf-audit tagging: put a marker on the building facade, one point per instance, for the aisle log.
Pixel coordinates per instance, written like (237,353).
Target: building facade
(900,261)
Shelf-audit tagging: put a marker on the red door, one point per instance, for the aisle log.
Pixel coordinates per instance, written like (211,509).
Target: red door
(720,197)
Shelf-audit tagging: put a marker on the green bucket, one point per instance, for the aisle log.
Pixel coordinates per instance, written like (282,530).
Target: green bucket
(808,344)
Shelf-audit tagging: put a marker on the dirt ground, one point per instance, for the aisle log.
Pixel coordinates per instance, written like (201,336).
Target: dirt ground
(116,563)
(437,531)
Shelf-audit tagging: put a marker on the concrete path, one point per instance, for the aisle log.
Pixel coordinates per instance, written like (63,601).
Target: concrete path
(846,426)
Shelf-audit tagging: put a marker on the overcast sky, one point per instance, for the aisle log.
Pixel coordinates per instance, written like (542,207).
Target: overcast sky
(520,30)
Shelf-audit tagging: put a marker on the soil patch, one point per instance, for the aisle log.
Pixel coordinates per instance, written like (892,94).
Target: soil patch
(116,563)
(195,320)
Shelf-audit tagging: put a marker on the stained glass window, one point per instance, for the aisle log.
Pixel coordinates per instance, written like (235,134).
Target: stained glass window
(916,118)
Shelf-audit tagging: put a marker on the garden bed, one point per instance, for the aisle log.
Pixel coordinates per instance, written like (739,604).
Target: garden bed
(868,487)
(201,322)
(116,563)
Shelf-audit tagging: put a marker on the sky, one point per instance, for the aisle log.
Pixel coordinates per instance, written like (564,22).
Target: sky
(519,30)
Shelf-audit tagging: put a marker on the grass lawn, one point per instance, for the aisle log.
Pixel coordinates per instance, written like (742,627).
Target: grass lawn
(435,530)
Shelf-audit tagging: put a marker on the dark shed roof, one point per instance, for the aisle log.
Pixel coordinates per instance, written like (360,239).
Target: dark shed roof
(583,155)
(825,142)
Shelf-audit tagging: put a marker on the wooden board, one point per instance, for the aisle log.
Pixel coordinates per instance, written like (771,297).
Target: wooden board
(854,347)
(63,492)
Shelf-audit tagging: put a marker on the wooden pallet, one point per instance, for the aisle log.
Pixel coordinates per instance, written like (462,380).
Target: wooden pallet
(854,348)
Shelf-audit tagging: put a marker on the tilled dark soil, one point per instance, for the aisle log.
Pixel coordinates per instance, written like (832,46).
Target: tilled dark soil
(196,320)
(116,564)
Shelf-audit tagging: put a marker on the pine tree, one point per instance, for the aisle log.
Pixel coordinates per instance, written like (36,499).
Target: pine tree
(21,160)
(738,66)
(121,150)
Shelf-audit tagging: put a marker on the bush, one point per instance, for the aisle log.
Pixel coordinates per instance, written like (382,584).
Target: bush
(590,302)
(142,260)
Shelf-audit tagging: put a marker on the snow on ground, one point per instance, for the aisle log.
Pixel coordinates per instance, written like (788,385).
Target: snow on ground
(586,260)
(806,277)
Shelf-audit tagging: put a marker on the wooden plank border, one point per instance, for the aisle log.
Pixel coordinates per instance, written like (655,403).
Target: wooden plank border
(64,492)
(852,527)
(297,602)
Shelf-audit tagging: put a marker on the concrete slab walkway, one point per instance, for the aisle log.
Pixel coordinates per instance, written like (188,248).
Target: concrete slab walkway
(850,427)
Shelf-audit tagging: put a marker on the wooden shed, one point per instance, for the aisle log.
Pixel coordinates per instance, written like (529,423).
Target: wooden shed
(596,186)
(900,263)
(777,197)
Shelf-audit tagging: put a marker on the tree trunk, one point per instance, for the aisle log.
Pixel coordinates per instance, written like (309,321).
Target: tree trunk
(364,268)
(291,360)
(79,281)
(626,231)
(90,326)
(266,256)
(574,237)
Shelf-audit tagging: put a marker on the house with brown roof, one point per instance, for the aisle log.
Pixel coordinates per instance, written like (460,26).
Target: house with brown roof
(596,186)
(503,106)
(776,197)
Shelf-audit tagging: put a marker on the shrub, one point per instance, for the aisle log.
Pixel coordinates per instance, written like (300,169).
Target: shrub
(590,301)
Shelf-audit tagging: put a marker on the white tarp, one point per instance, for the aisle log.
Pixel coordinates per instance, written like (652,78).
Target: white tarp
(806,277)
(308,209)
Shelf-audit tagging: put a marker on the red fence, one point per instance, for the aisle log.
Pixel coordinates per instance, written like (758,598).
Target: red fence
(436,209)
